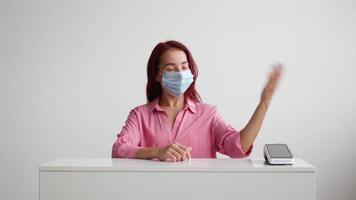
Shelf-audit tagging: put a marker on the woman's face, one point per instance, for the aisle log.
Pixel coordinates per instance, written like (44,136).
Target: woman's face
(172,60)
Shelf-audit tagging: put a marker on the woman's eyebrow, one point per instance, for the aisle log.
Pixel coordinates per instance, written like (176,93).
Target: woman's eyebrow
(184,62)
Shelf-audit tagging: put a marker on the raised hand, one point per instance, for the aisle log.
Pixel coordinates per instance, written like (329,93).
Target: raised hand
(271,85)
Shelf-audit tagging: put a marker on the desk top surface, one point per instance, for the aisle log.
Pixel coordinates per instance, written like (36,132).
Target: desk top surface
(195,165)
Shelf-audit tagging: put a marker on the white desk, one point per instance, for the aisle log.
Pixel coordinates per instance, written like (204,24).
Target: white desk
(105,178)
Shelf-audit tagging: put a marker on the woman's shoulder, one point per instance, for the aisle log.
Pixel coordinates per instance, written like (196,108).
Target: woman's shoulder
(145,108)
(205,107)
(141,108)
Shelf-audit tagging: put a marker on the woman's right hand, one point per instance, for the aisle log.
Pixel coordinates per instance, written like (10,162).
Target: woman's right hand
(174,152)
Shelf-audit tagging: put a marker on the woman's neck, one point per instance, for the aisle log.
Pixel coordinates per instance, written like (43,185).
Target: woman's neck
(171,102)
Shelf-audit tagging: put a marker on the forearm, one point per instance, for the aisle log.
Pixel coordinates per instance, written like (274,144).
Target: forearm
(250,131)
(147,153)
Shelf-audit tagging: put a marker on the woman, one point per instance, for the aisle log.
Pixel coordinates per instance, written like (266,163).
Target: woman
(175,125)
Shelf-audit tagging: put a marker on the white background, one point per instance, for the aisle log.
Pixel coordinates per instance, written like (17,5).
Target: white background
(72,70)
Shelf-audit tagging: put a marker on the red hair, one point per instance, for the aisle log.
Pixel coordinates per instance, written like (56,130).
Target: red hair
(153,88)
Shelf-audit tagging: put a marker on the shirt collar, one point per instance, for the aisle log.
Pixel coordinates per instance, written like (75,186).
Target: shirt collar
(188,104)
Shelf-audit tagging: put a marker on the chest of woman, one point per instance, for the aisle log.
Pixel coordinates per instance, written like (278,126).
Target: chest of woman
(161,129)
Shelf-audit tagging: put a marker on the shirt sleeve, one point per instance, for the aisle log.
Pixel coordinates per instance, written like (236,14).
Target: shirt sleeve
(128,139)
(227,139)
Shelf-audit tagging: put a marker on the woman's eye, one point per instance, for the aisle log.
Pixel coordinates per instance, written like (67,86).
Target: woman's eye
(169,68)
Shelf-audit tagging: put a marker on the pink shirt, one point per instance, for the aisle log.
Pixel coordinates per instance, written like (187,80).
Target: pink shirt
(197,125)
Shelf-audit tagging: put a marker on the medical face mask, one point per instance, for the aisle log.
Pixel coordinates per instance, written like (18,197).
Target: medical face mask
(176,83)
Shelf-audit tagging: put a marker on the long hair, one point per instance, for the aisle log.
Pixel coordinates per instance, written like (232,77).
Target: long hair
(153,88)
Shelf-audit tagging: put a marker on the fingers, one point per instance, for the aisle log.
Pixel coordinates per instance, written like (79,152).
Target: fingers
(187,150)
(272,83)
(177,156)
(274,77)
(278,67)
(177,152)
(174,152)
(277,71)
(183,147)
(170,157)
(181,151)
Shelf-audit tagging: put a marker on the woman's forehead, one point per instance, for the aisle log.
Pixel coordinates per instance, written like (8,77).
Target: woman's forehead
(173,56)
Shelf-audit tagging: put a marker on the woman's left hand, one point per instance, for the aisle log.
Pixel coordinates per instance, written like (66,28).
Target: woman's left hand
(271,85)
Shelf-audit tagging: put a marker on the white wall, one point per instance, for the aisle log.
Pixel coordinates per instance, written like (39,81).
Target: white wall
(72,70)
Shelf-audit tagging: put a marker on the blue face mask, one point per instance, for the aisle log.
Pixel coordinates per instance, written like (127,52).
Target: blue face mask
(176,83)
